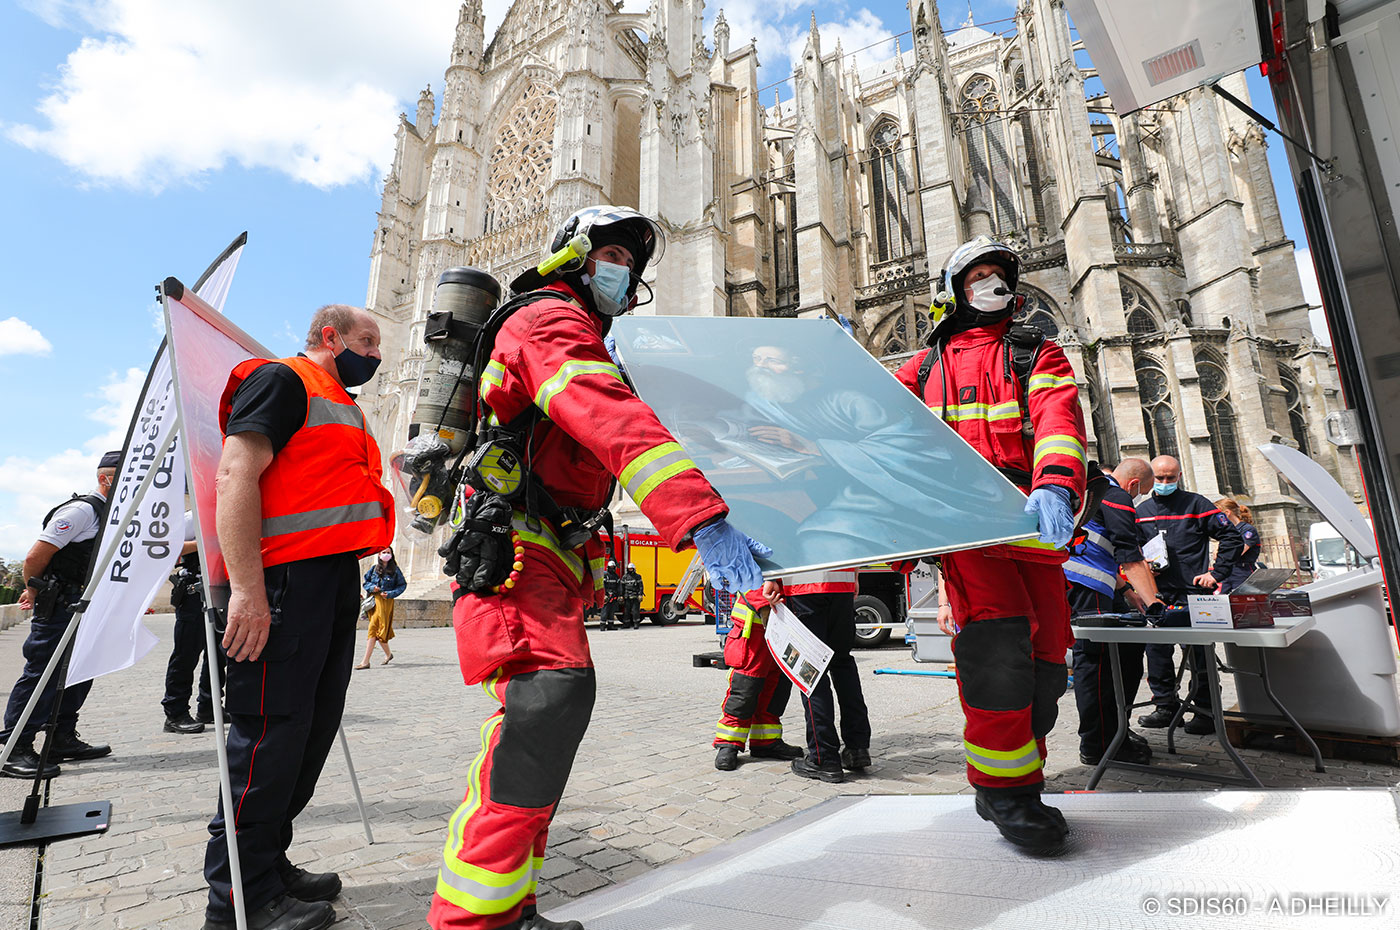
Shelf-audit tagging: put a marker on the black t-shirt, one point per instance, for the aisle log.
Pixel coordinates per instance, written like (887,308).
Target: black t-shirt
(270,401)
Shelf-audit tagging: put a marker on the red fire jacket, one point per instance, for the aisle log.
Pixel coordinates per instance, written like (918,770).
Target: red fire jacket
(551,354)
(971,389)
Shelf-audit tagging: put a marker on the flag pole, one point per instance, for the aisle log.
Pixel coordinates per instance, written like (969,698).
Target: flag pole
(211,614)
(355,783)
(29,831)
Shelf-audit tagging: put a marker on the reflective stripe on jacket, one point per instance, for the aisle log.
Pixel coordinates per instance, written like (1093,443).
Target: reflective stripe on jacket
(835,581)
(322,494)
(1092,563)
(982,404)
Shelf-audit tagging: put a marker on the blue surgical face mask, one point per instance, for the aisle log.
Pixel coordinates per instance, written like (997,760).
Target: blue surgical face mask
(353,368)
(609,285)
(1162,488)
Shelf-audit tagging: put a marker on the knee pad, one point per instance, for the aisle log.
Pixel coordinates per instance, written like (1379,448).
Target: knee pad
(742,702)
(994,662)
(781,693)
(547,713)
(1051,678)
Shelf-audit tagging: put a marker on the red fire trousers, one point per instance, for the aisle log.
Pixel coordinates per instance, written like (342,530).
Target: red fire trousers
(1010,653)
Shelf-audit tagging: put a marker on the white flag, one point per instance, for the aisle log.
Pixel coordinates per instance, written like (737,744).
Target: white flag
(131,568)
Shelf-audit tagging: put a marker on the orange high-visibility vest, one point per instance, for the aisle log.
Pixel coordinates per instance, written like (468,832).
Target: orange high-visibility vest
(323,492)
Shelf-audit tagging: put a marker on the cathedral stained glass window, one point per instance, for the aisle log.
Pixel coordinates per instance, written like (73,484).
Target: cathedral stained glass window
(1158,416)
(984,129)
(1220,424)
(1293,399)
(889,192)
(1040,313)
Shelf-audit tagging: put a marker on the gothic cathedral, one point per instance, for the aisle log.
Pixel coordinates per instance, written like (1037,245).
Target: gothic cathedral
(1154,251)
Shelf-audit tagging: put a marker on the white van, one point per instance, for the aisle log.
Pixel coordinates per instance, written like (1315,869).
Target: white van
(1329,553)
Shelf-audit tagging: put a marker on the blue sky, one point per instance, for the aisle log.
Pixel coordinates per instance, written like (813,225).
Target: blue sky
(138,137)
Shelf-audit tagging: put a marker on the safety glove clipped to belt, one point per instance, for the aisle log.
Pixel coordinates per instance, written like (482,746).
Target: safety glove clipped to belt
(480,553)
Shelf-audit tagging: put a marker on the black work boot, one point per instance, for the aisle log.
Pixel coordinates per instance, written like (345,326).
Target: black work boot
(727,757)
(855,760)
(1023,820)
(24,763)
(536,922)
(308,886)
(1054,812)
(282,913)
(827,771)
(1159,718)
(183,723)
(206,716)
(67,747)
(1200,725)
(1133,749)
(776,750)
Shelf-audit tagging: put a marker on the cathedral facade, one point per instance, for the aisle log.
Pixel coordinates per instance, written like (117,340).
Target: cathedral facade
(1153,248)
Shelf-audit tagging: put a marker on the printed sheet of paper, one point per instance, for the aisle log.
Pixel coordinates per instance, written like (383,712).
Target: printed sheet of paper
(1156,550)
(818,450)
(802,657)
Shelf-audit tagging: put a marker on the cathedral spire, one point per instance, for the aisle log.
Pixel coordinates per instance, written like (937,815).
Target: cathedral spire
(468,42)
(969,15)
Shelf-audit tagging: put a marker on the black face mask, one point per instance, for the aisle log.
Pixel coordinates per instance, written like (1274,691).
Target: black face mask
(353,368)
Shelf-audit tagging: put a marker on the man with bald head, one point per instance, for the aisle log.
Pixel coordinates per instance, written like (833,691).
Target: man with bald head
(1190,522)
(299,501)
(1096,570)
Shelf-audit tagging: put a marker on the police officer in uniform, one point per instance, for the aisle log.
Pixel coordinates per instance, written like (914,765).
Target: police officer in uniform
(632,598)
(1113,545)
(300,501)
(56,570)
(187,597)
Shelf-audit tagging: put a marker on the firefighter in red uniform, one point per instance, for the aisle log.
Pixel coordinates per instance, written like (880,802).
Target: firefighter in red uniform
(758,692)
(1010,600)
(524,642)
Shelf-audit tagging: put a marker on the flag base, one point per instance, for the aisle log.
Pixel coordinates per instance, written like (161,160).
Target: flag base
(64,822)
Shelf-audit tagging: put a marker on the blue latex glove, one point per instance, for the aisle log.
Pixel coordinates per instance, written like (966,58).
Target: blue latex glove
(610,344)
(728,556)
(1051,504)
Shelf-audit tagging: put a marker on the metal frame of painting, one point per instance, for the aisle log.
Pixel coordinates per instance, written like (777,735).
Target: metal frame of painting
(819,451)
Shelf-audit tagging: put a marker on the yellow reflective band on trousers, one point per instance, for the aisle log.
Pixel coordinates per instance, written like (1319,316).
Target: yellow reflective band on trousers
(463,813)
(489,686)
(1001,763)
(1009,410)
(1063,444)
(487,892)
(546,539)
(568,372)
(764,731)
(1046,380)
(738,735)
(641,475)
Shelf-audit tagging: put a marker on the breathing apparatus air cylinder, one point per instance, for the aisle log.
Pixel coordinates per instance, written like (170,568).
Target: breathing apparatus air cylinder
(462,303)
(441,422)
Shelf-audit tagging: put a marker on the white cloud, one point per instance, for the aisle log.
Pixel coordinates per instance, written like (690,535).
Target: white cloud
(19,338)
(862,38)
(30,486)
(1307,274)
(160,91)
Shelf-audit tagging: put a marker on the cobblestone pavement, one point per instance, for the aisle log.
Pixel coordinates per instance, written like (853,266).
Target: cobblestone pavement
(644,790)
